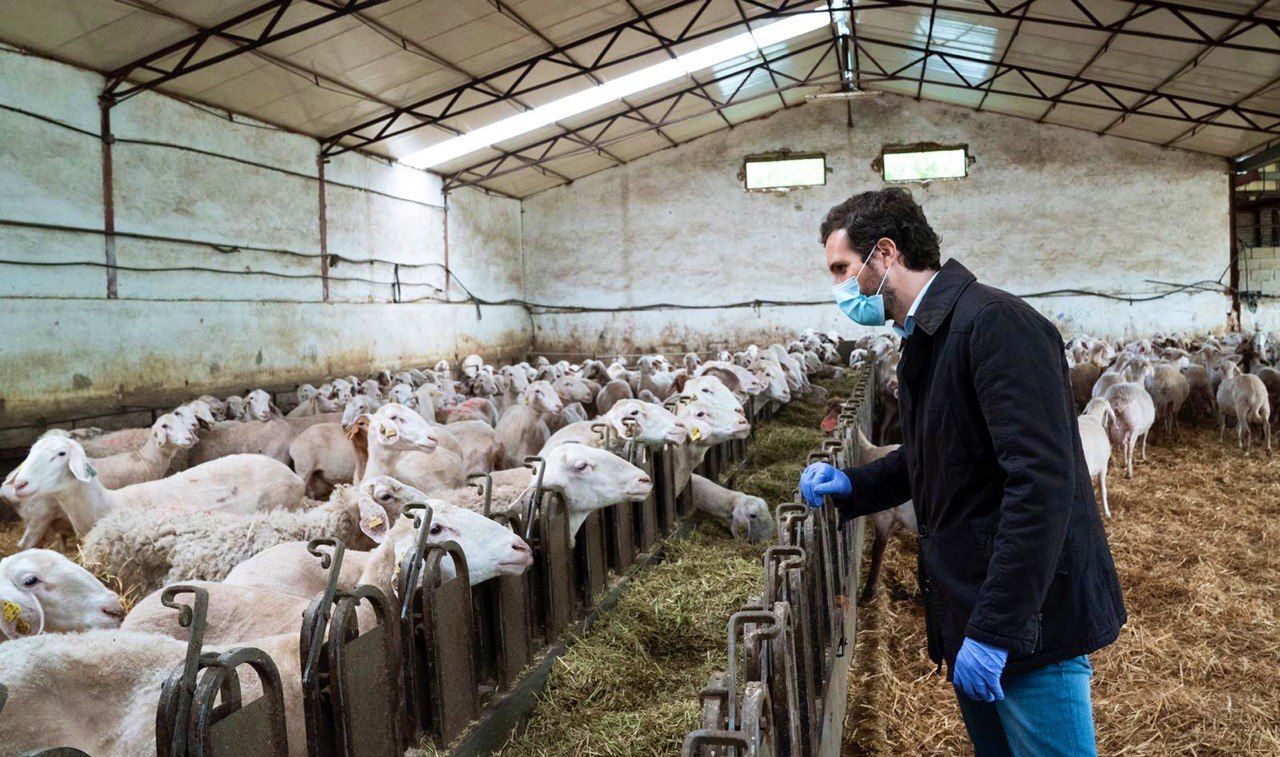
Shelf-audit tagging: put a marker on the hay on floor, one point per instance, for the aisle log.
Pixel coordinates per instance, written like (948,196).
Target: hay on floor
(630,687)
(1196,540)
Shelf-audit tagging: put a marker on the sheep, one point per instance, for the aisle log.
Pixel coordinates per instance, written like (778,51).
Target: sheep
(737,379)
(1246,396)
(149,462)
(491,549)
(478,443)
(271,438)
(1200,392)
(97,691)
(1106,380)
(1135,412)
(312,402)
(614,391)
(42,591)
(522,429)
(258,406)
(1083,376)
(588,478)
(886,522)
(58,466)
(403,445)
(146,549)
(323,457)
(1092,426)
(238,612)
(645,422)
(746,517)
(1169,389)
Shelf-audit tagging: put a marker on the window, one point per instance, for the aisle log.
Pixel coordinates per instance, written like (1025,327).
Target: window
(781,172)
(924,163)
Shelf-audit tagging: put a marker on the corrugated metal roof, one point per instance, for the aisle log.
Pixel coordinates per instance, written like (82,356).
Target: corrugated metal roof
(395,76)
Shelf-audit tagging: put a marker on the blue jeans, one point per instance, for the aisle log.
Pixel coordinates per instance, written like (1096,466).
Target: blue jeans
(1045,711)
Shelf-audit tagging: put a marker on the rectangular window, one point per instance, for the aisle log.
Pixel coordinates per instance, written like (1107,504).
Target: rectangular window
(924,163)
(784,171)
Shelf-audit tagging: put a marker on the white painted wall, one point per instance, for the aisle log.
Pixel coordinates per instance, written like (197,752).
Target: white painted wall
(1044,208)
(67,349)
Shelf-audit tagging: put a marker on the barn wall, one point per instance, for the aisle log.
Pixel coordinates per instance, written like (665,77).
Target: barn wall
(1044,208)
(67,349)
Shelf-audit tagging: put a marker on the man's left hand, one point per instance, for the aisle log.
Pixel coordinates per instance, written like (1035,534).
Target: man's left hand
(977,671)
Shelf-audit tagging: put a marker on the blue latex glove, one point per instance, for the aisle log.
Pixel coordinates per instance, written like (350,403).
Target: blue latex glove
(977,671)
(821,479)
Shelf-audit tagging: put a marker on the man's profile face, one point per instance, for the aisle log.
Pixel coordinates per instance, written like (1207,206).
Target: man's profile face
(842,261)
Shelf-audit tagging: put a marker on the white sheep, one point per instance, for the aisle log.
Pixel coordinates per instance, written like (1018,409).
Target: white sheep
(239,612)
(490,547)
(1169,389)
(886,522)
(42,591)
(98,691)
(58,466)
(151,547)
(1094,439)
(744,516)
(588,478)
(522,429)
(1135,413)
(166,437)
(646,422)
(403,445)
(1245,395)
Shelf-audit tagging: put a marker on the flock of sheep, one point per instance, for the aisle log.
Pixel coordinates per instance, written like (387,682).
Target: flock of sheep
(226,494)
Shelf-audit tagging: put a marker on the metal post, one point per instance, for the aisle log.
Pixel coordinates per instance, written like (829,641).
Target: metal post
(1234,253)
(324,231)
(108,198)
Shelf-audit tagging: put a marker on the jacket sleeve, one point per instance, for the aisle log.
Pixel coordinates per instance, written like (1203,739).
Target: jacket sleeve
(878,485)
(1017,370)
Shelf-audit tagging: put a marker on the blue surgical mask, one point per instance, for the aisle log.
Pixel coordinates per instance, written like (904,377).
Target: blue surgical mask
(860,308)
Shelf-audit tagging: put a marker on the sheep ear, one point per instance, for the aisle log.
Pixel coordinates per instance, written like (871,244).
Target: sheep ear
(79,463)
(204,414)
(20,612)
(374,522)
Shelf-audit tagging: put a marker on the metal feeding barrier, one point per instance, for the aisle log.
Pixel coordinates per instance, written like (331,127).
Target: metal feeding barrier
(784,689)
(377,672)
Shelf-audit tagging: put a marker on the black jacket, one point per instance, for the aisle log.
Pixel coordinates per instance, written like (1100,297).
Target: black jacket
(1012,551)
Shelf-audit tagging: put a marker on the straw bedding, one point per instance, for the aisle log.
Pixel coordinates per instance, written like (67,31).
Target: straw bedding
(1196,539)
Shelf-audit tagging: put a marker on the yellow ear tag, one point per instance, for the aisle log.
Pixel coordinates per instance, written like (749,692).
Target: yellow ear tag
(375,521)
(13,612)
(695,433)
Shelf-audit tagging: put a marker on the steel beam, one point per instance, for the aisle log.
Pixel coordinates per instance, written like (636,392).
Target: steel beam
(493,168)
(187,50)
(1191,63)
(552,67)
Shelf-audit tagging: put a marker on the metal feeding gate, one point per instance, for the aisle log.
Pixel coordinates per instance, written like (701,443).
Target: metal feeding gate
(786,684)
(201,710)
(350,680)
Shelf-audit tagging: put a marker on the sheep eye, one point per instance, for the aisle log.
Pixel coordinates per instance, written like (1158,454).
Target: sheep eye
(635,412)
(62,454)
(702,414)
(384,496)
(164,425)
(30,581)
(436,528)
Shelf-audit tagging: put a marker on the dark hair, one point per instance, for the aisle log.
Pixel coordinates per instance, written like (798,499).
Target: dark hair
(891,213)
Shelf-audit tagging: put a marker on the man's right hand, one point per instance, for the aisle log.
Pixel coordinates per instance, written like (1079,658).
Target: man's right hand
(821,480)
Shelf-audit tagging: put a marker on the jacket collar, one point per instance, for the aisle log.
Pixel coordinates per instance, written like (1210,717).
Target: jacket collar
(944,290)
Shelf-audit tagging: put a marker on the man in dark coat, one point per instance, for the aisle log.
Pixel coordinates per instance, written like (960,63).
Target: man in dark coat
(1016,575)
